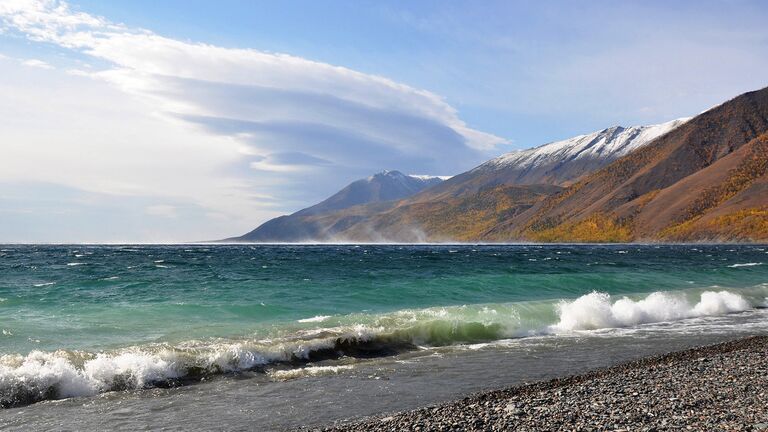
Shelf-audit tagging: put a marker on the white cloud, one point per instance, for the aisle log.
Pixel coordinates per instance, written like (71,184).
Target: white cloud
(85,135)
(147,64)
(36,63)
(217,127)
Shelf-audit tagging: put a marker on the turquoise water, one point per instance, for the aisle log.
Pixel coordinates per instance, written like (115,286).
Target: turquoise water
(79,320)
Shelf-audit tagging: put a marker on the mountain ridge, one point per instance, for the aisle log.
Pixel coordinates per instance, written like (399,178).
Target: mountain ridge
(384,186)
(617,195)
(689,179)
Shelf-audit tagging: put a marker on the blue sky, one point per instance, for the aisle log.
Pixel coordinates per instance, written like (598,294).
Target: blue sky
(187,120)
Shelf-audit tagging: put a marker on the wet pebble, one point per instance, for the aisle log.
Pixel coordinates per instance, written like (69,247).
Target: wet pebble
(717,387)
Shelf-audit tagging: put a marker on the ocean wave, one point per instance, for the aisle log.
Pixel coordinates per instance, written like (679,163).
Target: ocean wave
(43,375)
(598,311)
(751,264)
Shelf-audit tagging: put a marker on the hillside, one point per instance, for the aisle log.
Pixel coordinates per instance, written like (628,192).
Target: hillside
(305,225)
(470,204)
(705,180)
(463,207)
(562,162)
(698,179)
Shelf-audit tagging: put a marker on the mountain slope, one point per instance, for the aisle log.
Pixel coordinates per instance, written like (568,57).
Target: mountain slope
(306,224)
(464,207)
(708,172)
(695,179)
(384,186)
(559,163)
(463,217)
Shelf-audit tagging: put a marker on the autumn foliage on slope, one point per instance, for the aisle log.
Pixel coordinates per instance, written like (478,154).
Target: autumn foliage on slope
(681,187)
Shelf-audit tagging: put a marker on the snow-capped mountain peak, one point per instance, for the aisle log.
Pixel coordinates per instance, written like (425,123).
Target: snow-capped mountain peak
(612,143)
(428,177)
(397,175)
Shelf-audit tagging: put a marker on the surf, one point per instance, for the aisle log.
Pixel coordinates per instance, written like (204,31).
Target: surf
(40,375)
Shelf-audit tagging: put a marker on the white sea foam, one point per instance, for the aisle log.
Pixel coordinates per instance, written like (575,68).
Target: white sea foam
(597,311)
(131,369)
(71,376)
(40,375)
(282,375)
(63,374)
(318,318)
(752,264)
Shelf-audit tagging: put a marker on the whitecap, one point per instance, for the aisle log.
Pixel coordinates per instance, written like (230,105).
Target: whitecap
(751,264)
(597,311)
(318,318)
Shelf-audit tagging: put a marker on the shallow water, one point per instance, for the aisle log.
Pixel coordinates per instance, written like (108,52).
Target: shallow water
(289,335)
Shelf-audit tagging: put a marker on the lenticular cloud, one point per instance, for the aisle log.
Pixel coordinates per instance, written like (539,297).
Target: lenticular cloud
(264,98)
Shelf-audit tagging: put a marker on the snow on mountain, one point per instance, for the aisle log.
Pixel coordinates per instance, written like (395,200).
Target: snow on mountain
(610,143)
(428,177)
(397,176)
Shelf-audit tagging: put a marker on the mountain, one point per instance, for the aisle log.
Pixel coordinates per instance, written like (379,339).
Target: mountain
(694,179)
(562,162)
(706,180)
(558,163)
(468,205)
(303,225)
(384,186)
(462,207)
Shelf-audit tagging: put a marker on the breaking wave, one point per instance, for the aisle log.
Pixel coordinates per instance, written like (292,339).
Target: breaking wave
(41,375)
(598,311)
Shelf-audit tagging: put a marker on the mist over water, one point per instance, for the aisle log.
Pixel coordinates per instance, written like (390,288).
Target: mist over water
(83,320)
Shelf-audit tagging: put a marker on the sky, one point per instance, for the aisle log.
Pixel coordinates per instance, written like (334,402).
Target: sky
(187,120)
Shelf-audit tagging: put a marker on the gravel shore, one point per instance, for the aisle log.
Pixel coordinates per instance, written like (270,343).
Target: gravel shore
(717,387)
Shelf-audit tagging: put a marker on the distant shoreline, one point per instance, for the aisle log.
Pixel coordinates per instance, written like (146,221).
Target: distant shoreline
(224,243)
(715,387)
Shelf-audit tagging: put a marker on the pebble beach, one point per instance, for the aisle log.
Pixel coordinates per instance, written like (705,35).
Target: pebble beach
(716,387)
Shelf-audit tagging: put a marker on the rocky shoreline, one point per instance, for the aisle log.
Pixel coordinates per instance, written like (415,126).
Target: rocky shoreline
(716,387)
